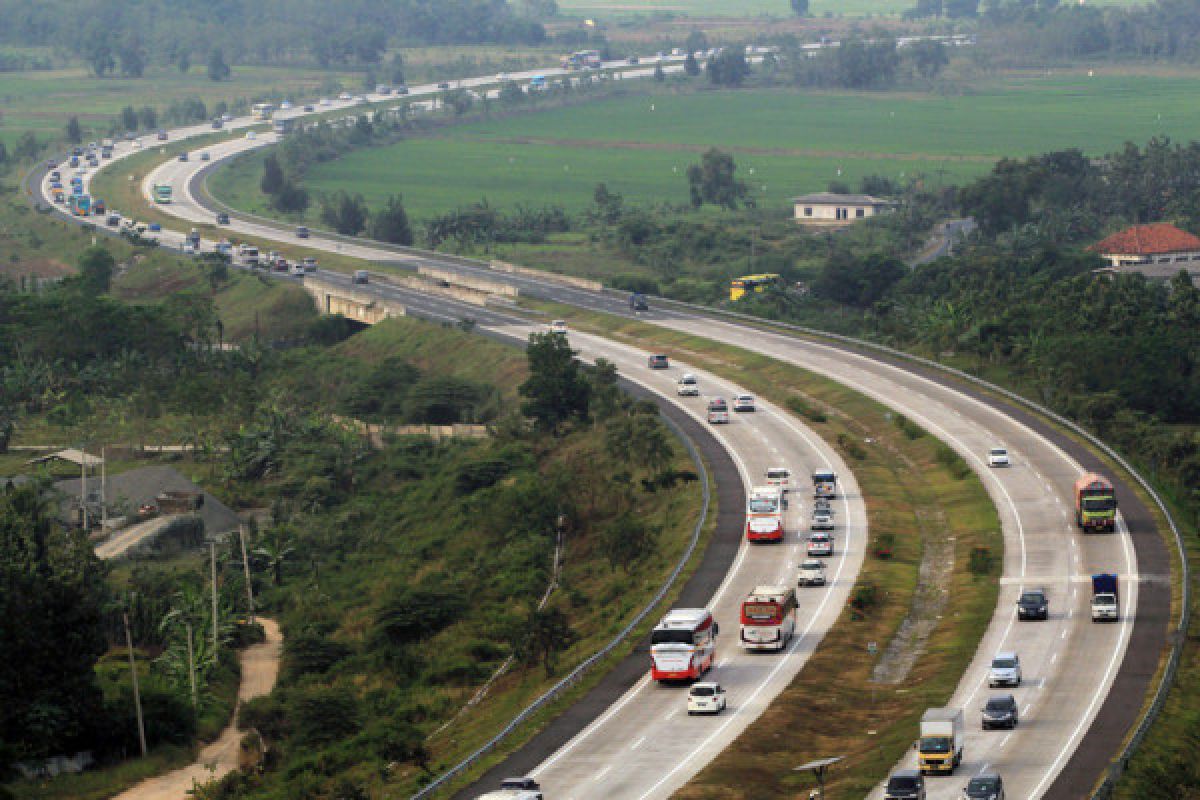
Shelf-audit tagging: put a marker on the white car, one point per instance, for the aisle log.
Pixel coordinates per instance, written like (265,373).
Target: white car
(345,96)
(822,521)
(251,135)
(812,573)
(325,101)
(718,411)
(820,544)
(706,697)
(1005,670)
(688,386)
(558,326)
(998,457)
(743,402)
(286,105)
(136,144)
(189,249)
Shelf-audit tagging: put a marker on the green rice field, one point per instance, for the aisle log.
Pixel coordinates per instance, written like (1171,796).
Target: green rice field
(743,8)
(785,142)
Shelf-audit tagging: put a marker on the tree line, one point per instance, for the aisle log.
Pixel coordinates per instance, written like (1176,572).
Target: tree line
(125,36)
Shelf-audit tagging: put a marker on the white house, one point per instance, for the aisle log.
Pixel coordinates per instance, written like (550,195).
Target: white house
(1159,243)
(827,209)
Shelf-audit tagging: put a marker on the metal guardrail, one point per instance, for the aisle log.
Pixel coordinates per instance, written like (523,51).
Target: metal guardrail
(1105,790)
(578,673)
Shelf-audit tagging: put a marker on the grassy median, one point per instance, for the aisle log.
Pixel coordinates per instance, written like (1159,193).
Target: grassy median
(919,496)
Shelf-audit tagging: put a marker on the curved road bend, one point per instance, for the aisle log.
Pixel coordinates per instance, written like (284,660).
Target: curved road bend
(1086,656)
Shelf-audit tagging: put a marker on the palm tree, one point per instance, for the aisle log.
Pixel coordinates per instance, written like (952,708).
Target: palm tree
(276,549)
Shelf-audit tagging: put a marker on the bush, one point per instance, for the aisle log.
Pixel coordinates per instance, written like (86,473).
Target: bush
(884,545)
(323,714)
(863,599)
(909,428)
(980,561)
(800,406)
(265,714)
(310,653)
(953,462)
(851,447)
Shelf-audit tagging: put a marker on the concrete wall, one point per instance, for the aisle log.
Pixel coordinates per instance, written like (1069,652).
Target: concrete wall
(579,283)
(351,303)
(458,279)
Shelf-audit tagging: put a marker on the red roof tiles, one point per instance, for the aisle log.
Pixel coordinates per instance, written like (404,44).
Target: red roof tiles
(1147,240)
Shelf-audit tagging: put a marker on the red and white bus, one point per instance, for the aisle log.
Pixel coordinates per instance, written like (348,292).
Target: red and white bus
(768,618)
(764,514)
(683,646)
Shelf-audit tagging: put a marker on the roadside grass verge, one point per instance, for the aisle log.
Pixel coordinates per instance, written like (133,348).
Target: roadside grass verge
(99,784)
(914,498)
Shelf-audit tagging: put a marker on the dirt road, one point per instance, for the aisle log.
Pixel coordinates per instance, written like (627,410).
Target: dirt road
(260,668)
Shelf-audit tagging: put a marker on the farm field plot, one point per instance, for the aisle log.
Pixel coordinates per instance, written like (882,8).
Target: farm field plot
(794,142)
(744,8)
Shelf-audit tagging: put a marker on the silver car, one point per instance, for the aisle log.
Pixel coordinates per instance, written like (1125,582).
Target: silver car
(812,573)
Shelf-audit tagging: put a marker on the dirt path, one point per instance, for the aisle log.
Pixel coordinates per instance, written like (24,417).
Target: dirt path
(260,667)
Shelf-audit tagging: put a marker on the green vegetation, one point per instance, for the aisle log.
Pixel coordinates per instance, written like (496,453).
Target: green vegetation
(793,143)
(405,571)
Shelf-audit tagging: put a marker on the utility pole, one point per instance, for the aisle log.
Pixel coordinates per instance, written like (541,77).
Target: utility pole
(191,666)
(103,491)
(83,488)
(137,697)
(246,569)
(212,549)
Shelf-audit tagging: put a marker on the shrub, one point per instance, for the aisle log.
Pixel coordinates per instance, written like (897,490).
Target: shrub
(265,714)
(310,653)
(323,714)
(802,407)
(884,544)
(909,428)
(953,462)
(863,599)
(851,447)
(980,561)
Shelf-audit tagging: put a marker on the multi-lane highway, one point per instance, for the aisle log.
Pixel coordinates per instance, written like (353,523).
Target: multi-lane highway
(1070,663)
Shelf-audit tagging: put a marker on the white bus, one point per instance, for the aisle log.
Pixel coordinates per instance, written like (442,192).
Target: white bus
(768,618)
(683,646)
(764,514)
(262,111)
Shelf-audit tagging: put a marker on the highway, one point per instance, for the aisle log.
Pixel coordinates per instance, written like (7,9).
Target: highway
(1070,663)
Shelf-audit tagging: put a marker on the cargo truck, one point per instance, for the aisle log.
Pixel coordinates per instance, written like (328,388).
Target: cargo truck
(824,484)
(940,748)
(1106,600)
(1095,503)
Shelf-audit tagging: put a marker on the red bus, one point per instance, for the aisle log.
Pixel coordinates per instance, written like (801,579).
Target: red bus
(768,618)
(764,514)
(683,645)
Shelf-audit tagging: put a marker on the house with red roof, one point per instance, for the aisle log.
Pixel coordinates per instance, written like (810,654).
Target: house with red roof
(1159,245)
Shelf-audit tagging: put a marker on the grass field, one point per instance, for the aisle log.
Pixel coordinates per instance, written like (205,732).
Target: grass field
(785,142)
(43,100)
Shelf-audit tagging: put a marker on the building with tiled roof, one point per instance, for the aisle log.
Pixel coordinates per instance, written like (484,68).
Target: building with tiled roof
(1159,243)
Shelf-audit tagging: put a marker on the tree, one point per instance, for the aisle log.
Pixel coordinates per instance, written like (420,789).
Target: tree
(272,178)
(98,54)
(218,70)
(608,204)
(184,62)
(395,70)
(556,390)
(712,180)
(54,593)
(544,634)
(627,540)
(129,118)
(132,56)
(929,57)
(291,198)
(728,68)
(391,223)
(3,154)
(276,548)
(866,63)
(345,213)
(800,8)
(74,131)
(28,147)
(148,117)
(690,66)
(96,267)
(697,42)
(659,75)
